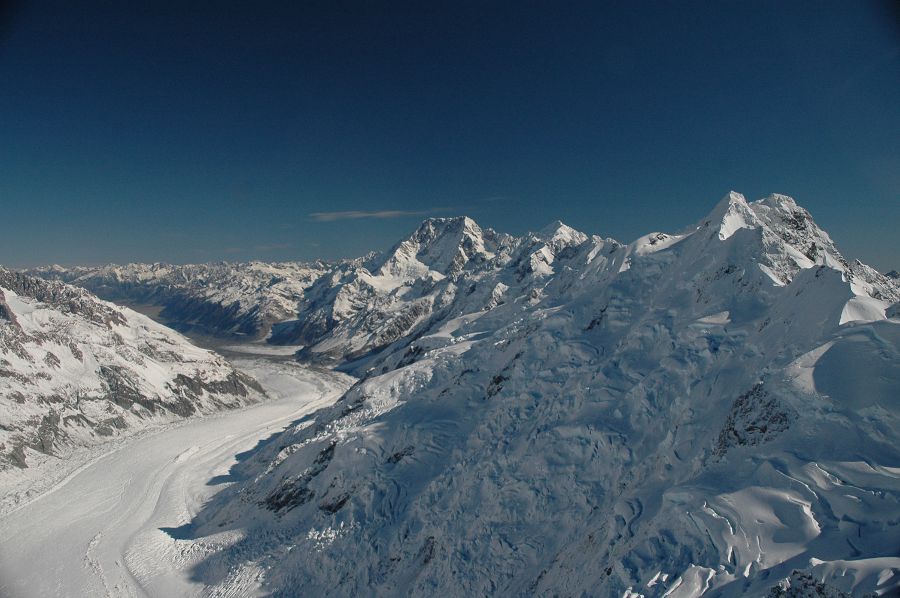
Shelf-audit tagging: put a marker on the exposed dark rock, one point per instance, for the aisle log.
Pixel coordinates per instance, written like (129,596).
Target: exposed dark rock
(296,492)
(51,360)
(804,585)
(496,385)
(47,433)
(17,457)
(7,373)
(426,553)
(122,390)
(401,454)
(6,312)
(108,426)
(596,321)
(76,352)
(755,418)
(235,383)
(334,504)
(411,355)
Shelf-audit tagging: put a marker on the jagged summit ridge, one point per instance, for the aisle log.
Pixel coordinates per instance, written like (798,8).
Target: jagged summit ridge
(787,240)
(452,265)
(443,246)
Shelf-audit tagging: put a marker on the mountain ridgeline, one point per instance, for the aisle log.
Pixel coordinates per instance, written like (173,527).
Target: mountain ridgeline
(710,411)
(447,266)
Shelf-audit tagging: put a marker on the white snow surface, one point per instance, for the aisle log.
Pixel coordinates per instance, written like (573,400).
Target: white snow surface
(709,412)
(702,413)
(119,525)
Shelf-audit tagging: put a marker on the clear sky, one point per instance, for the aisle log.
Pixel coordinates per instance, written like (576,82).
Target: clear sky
(200,131)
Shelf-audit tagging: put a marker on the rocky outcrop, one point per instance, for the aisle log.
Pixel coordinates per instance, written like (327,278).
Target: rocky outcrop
(755,418)
(804,585)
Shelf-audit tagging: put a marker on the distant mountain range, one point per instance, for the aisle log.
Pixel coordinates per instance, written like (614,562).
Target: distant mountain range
(226,300)
(448,265)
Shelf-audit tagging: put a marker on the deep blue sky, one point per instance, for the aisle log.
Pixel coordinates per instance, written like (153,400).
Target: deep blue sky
(203,131)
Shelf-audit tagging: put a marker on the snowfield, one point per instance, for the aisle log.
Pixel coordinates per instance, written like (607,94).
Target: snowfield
(117,526)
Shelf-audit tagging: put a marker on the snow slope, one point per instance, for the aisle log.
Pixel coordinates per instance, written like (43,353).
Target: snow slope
(76,371)
(690,414)
(115,527)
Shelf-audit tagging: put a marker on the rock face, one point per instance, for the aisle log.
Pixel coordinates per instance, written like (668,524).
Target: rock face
(803,585)
(701,412)
(75,370)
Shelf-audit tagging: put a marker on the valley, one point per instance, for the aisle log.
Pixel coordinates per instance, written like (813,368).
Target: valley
(111,528)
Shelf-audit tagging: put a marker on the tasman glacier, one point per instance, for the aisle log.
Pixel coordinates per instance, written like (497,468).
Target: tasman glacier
(708,412)
(711,412)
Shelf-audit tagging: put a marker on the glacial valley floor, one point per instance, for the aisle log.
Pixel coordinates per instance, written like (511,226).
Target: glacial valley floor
(111,528)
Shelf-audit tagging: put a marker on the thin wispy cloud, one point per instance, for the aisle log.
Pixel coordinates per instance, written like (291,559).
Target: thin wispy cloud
(273,246)
(360,214)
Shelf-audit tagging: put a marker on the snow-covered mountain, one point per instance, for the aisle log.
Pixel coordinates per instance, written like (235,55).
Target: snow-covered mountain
(75,371)
(220,299)
(447,267)
(715,411)
(346,310)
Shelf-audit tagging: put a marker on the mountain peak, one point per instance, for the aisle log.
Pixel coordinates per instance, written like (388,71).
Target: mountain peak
(731,214)
(779,201)
(789,238)
(442,245)
(559,233)
(435,223)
